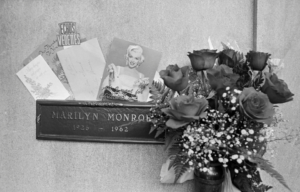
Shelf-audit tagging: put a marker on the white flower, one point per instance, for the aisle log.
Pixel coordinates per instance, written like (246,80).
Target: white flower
(234,156)
(233,100)
(191,138)
(224,95)
(188,128)
(236,171)
(261,138)
(251,131)
(190,152)
(237,91)
(237,141)
(249,139)
(244,132)
(239,161)
(220,160)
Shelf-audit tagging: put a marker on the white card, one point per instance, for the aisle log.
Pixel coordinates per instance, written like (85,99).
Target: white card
(41,81)
(83,65)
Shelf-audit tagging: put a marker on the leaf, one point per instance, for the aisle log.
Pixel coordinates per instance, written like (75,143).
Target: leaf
(268,167)
(211,94)
(159,131)
(224,46)
(171,138)
(173,160)
(259,80)
(262,188)
(179,162)
(242,183)
(181,165)
(168,95)
(157,90)
(153,128)
(174,150)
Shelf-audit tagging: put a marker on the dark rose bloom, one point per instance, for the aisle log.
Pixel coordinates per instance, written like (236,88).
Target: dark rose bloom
(276,89)
(257,60)
(203,59)
(184,109)
(221,77)
(175,78)
(230,57)
(256,105)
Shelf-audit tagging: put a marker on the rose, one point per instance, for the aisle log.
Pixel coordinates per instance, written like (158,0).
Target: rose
(256,105)
(276,89)
(175,78)
(221,77)
(257,60)
(184,109)
(203,59)
(230,57)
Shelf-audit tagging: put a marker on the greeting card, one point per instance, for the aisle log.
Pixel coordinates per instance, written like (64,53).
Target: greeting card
(41,81)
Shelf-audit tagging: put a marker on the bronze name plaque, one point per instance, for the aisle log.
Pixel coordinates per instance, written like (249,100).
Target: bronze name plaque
(94,121)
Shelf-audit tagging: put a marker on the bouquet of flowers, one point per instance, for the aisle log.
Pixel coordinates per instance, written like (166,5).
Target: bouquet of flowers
(215,114)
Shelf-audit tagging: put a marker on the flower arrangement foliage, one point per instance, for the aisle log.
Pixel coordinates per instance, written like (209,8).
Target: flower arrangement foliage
(216,111)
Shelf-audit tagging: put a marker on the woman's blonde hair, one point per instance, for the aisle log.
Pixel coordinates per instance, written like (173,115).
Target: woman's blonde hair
(137,49)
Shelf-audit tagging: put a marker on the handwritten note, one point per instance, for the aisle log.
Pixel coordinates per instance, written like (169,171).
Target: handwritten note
(41,82)
(84,66)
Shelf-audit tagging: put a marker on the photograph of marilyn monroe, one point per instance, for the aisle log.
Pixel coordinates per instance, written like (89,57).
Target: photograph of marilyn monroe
(128,76)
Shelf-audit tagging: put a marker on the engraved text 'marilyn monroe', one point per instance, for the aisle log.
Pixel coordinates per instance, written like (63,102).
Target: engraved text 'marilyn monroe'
(128,117)
(74,115)
(78,115)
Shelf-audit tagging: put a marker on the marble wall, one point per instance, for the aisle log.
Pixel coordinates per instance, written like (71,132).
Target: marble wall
(279,34)
(173,27)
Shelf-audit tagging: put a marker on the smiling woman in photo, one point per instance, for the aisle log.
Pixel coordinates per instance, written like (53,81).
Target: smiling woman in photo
(130,84)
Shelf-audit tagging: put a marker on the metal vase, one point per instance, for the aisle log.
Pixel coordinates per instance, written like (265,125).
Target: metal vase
(210,181)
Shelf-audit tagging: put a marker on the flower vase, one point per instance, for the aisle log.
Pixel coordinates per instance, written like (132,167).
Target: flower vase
(209,181)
